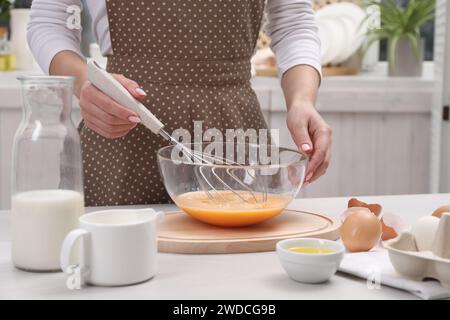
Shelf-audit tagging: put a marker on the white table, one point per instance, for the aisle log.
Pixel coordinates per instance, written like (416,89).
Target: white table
(232,276)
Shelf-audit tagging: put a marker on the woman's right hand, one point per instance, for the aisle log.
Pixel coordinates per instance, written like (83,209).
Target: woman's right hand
(104,115)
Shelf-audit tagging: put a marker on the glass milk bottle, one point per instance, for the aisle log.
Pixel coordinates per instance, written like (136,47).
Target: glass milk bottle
(47,185)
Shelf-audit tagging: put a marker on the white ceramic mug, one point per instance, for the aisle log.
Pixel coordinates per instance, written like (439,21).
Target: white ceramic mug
(119,246)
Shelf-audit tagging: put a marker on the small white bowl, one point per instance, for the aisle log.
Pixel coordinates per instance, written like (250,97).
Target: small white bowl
(306,267)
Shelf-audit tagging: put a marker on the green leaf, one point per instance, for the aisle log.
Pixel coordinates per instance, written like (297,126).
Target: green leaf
(398,22)
(5,6)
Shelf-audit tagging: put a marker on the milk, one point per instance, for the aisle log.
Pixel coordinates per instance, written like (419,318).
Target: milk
(40,220)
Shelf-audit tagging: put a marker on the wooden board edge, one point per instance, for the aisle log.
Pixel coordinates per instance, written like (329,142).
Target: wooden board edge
(168,245)
(233,246)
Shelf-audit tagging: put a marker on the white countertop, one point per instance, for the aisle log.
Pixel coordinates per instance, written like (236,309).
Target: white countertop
(230,276)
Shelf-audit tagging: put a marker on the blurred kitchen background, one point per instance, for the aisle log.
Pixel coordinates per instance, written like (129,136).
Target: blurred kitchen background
(387,105)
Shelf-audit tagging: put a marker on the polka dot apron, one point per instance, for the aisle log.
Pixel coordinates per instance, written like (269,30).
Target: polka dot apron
(192,58)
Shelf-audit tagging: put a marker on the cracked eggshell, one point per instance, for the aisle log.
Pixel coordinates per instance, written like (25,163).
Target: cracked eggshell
(374,207)
(439,211)
(392,225)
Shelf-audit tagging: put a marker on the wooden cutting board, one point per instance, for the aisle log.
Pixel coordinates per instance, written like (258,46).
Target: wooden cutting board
(179,233)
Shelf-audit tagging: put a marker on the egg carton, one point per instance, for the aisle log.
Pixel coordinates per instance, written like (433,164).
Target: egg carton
(409,261)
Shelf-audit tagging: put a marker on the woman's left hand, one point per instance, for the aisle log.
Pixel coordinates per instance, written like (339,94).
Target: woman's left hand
(312,135)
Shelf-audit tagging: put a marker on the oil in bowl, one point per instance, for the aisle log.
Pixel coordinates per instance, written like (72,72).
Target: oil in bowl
(311,250)
(310,260)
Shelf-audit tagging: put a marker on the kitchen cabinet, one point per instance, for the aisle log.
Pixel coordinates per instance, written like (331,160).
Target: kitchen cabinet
(381,131)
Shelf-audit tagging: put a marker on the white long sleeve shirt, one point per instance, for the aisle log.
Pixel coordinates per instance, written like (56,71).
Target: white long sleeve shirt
(290,25)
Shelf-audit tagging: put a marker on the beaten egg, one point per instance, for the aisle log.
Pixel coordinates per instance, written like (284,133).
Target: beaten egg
(229,210)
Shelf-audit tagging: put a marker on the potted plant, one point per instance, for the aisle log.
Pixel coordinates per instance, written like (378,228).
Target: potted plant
(5,8)
(24,4)
(400,26)
(20,14)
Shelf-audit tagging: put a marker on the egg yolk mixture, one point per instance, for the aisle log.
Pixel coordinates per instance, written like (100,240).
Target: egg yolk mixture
(229,210)
(311,250)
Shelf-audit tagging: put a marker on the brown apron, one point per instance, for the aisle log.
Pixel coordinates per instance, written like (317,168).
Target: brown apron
(192,58)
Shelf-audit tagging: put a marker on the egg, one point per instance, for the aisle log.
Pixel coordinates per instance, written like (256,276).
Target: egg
(361,230)
(352,210)
(439,211)
(424,230)
(388,231)
(374,207)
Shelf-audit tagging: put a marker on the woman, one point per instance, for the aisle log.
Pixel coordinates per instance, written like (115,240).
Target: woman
(186,60)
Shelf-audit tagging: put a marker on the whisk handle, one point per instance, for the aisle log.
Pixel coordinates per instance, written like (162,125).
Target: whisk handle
(105,82)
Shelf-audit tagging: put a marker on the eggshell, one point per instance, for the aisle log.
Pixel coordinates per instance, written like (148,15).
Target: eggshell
(392,225)
(361,231)
(387,232)
(374,207)
(424,231)
(439,211)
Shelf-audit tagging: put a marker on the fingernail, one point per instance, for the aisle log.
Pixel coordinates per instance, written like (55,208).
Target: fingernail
(309,176)
(134,119)
(306,147)
(140,92)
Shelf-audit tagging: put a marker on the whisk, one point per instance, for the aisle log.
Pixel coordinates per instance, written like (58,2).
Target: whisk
(111,87)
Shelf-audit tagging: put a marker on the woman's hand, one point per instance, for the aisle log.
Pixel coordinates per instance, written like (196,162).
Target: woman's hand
(310,132)
(105,116)
(312,135)
(100,112)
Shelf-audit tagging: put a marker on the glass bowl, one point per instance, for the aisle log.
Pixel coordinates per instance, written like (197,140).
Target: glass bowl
(253,184)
